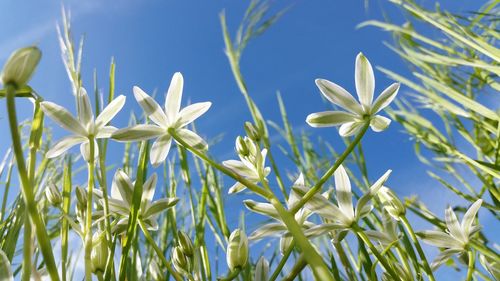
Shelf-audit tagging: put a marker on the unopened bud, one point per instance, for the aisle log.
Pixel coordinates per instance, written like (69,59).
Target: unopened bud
(237,249)
(185,243)
(252,132)
(262,270)
(53,194)
(241,146)
(81,202)
(99,254)
(391,203)
(20,66)
(181,263)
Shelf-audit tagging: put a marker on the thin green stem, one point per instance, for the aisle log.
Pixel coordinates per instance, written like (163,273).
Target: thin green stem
(88,216)
(318,266)
(420,251)
(27,249)
(485,250)
(158,251)
(232,275)
(470,268)
(27,188)
(360,233)
(282,262)
(297,269)
(65,210)
(317,187)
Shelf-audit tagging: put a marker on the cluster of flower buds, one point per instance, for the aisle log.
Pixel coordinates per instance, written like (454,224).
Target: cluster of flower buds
(100,252)
(237,250)
(20,66)
(183,254)
(53,194)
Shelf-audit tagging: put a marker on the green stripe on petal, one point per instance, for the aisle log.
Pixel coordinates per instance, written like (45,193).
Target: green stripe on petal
(138,133)
(339,96)
(63,145)
(329,118)
(150,107)
(365,81)
(62,117)
(385,98)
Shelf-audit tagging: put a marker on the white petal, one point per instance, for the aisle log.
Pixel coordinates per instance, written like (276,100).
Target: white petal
(285,243)
(469,216)
(343,191)
(192,139)
(150,107)
(84,107)
(440,239)
(237,187)
(379,123)
(138,133)
(262,208)
(339,96)
(148,189)
(110,111)
(453,225)
(443,257)
(365,81)
(191,112)
(160,149)
(322,229)
(270,229)
(105,132)
(321,206)
(174,96)
(159,206)
(239,168)
(124,186)
(329,118)
(350,128)
(62,117)
(385,98)
(63,145)
(85,150)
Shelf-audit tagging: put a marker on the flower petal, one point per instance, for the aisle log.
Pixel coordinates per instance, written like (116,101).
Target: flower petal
(350,128)
(321,206)
(329,118)
(110,111)
(379,123)
(240,168)
(469,216)
(270,229)
(62,117)
(85,150)
(192,139)
(237,187)
(160,149)
(150,107)
(159,206)
(265,209)
(339,96)
(174,96)
(138,133)
(443,257)
(84,107)
(63,145)
(439,239)
(323,228)
(149,187)
(343,191)
(124,186)
(385,98)
(365,81)
(453,225)
(105,132)
(191,112)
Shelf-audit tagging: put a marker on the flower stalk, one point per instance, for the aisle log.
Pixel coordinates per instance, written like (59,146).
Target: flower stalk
(88,216)
(417,245)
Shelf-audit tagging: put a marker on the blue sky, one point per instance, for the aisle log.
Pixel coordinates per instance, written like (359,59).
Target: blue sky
(150,40)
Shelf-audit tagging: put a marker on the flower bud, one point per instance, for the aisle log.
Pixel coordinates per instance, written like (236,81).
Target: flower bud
(99,254)
(154,270)
(81,203)
(181,263)
(262,270)
(20,66)
(237,249)
(391,203)
(252,132)
(185,244)
(53,194)
(241,146)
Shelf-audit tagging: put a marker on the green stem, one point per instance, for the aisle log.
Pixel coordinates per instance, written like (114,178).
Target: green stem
(27,249)
(318,266)
(360,233)
(484,250)
(282,262)
(233,274)
(297,269)
(470,268)
(317,187)
(88,216)
(158,251)
(27,188)
(420,251)
(65,209)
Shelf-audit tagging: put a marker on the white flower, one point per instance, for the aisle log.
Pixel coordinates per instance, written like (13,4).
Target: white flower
(278,228)
(343,215)
(456,238)
(357,113)
(121,201)
(251,165)
(85,126)
(171,117)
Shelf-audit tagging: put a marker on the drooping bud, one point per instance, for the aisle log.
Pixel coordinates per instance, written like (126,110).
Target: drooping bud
(252,132)
(20,66)
(391,203)
(262,270)
(185,244)
(241,146)
(237,249)
(180,261)
(99,254)
(53,194)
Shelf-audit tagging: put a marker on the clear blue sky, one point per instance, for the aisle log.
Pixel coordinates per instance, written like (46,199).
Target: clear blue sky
(150,40)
